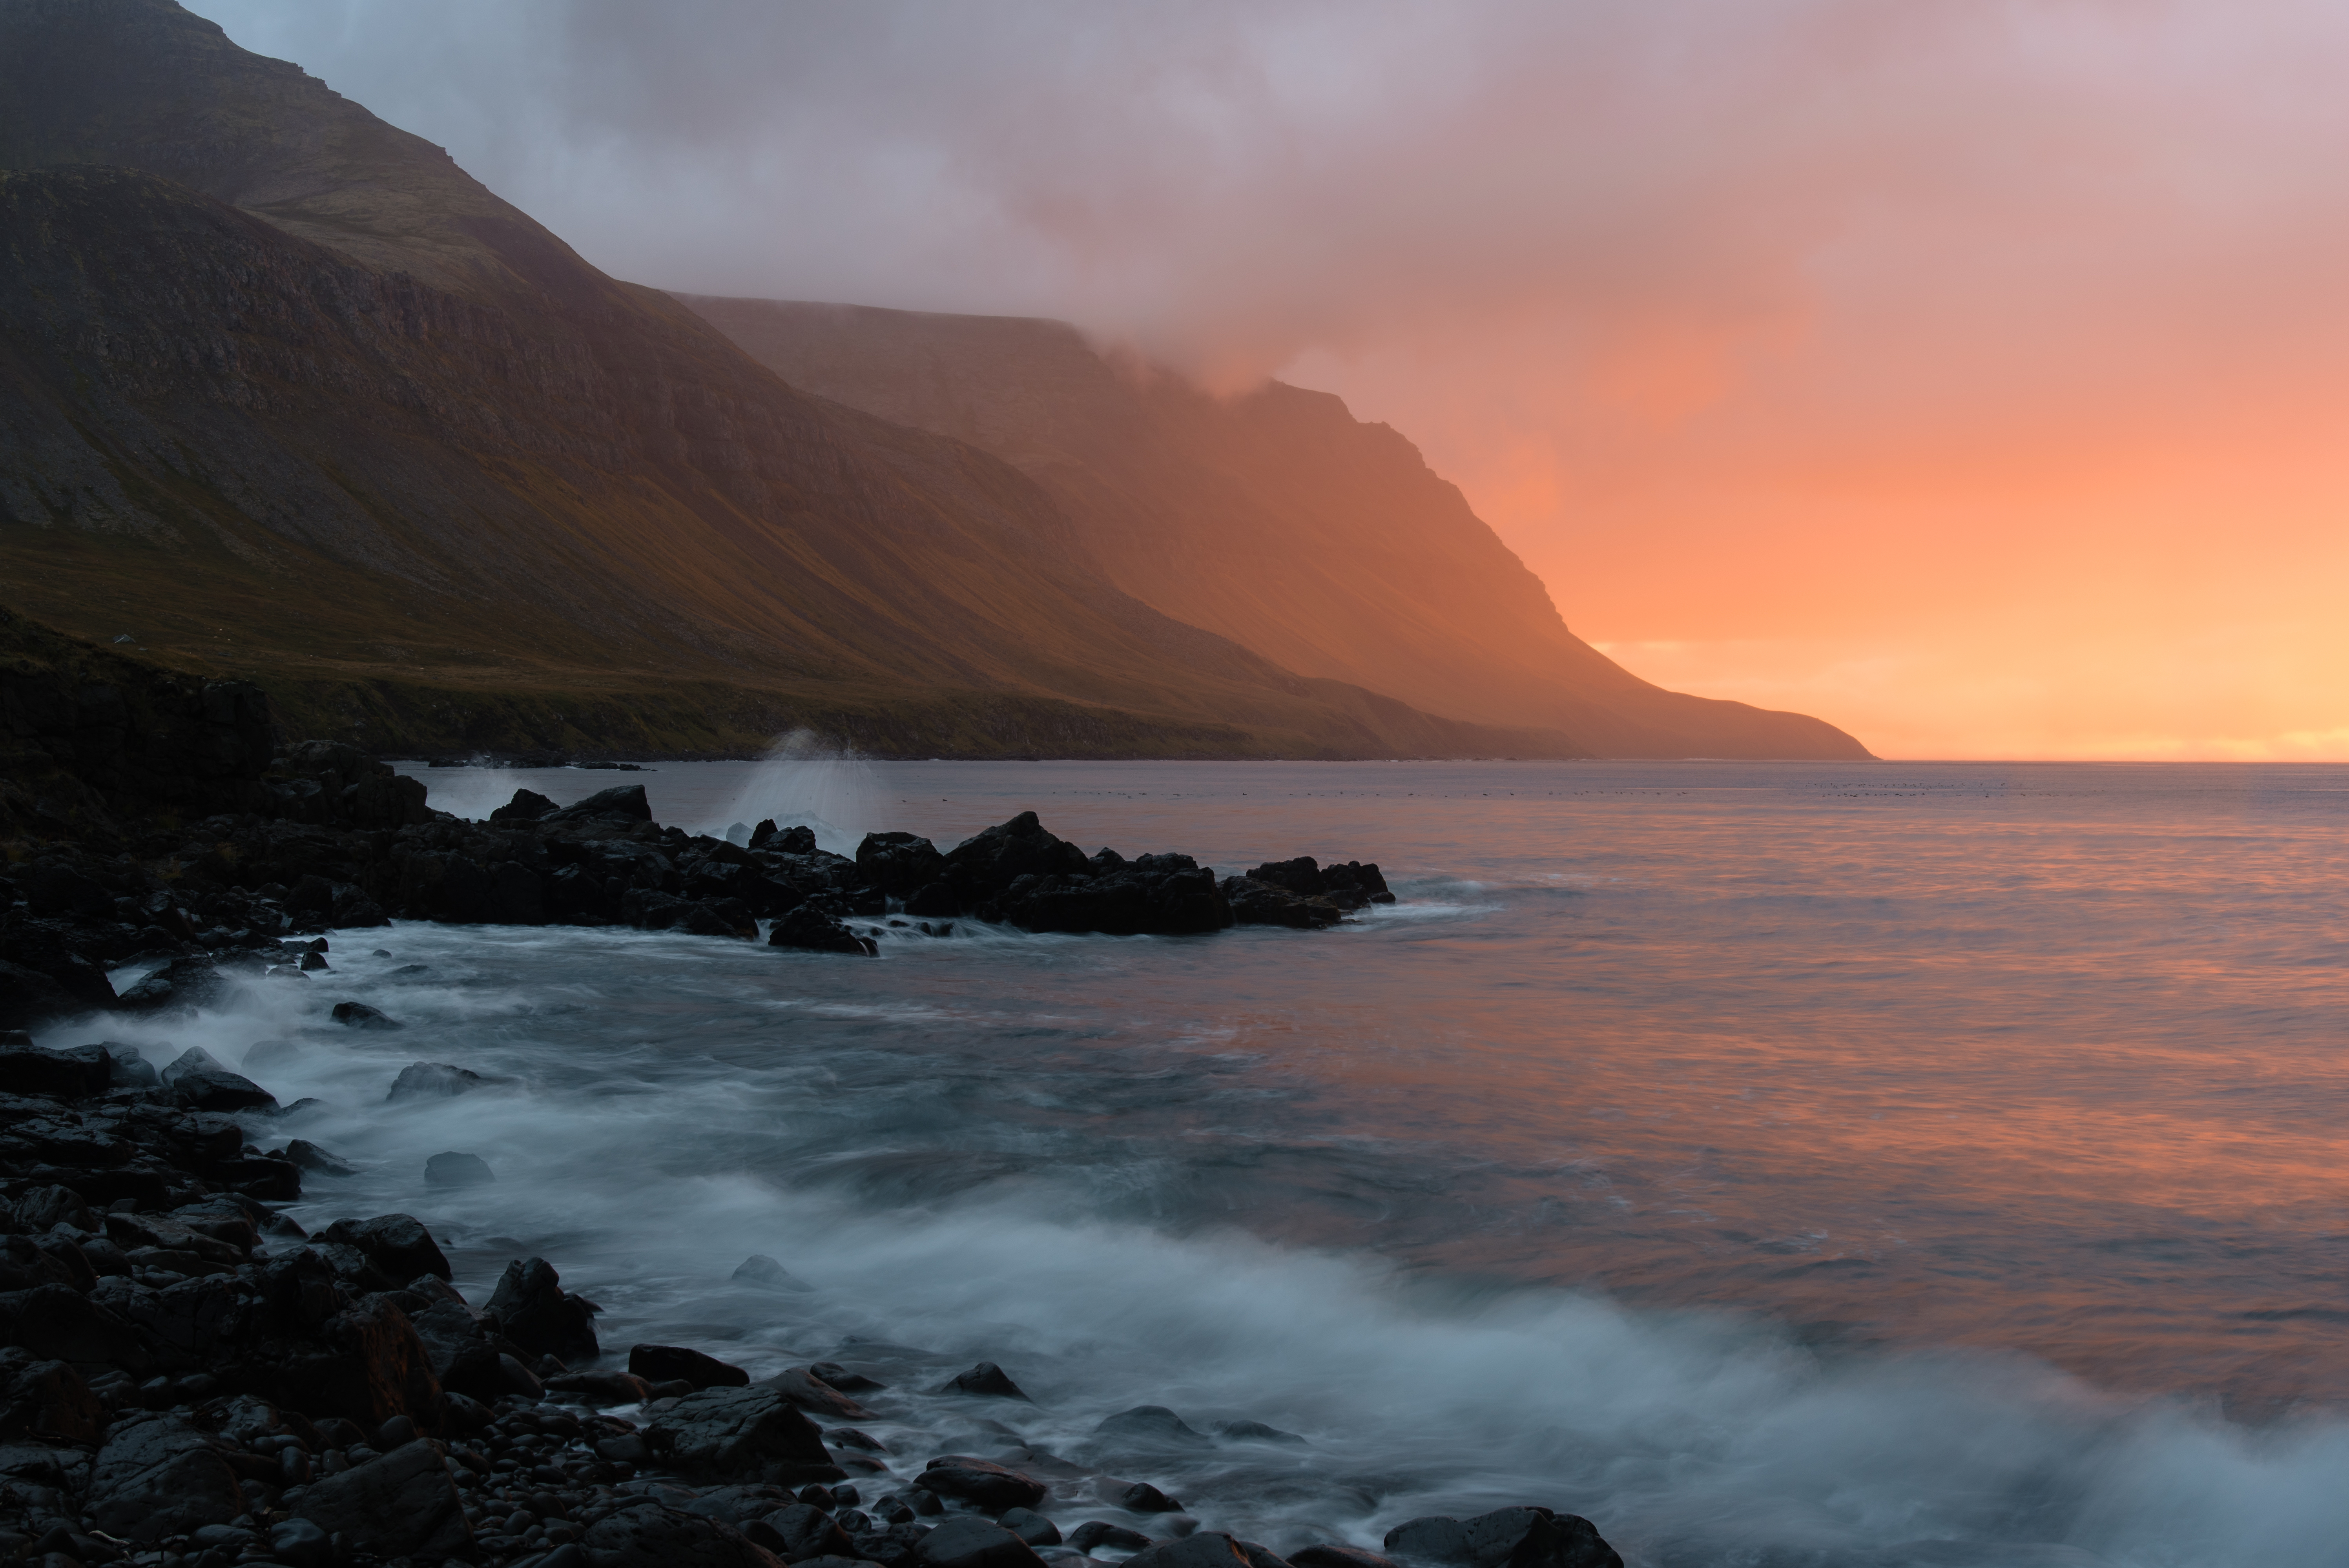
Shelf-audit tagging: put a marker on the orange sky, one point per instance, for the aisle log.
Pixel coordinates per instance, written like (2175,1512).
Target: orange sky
(1972,374)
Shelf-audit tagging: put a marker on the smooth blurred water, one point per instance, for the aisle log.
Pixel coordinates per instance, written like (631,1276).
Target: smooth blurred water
(1778,1164)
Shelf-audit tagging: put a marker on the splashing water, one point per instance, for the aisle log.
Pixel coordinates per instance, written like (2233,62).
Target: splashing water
(807,780)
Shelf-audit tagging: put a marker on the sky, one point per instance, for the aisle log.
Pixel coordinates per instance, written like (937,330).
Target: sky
(1972,374)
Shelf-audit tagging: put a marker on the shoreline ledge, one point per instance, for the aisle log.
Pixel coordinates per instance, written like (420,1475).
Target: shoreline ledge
(336,840)
(188,1379)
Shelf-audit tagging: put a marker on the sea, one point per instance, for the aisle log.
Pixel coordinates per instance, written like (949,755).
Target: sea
(1826,1164)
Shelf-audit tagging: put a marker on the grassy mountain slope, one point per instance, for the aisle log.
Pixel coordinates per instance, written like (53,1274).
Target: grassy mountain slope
(285,393)
(1275,519)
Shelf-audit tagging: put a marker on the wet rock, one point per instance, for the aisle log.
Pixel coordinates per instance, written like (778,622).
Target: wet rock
(602,1388)
(437,1080)
(1097,1533)
(56,1323)
(159,1476)
(58,1074)
(650,1534)
(1151,1426)
(301,1543)
(458,1170)
(1140,1497)
(527,806)
(309,1157)
(201,1083)
(624,803)
(1207,1549)
(676,1363)
(1327,1556)
(1255,1432)
(966,1543)
(368,1366)
(764,1272)
(47,1400)
(403,1504)
(802,1530)
(313,962)
(39,1208)
(739,1431)
(182,983)
(1505,1538)
(802,1387)
(1255,903)
(986,1380)
(1031,1527)
(841,1379)
(981,1482)
(813,931)
(898,863)
(399,1244)
(534,1312)
(359,1015)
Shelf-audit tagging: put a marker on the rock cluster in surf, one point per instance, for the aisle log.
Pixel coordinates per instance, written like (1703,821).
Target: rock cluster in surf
(188,1380)
(347,843)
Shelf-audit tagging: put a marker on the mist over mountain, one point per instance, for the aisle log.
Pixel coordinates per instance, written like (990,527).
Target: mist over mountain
(284,392)
(1275,519)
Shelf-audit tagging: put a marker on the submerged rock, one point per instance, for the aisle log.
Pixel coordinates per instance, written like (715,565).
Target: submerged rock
(458,1170)
(676,1363)
(986,1380)
(813,931)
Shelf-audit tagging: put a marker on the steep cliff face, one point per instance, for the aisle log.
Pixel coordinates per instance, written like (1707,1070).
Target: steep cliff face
(286,393)
(1275,519)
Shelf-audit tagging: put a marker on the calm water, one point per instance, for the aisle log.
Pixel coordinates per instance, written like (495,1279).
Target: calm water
(1790,1163)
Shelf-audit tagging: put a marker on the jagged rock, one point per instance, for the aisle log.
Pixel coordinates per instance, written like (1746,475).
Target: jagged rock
(736,1431)
(309,1157)
(182,983)
(967,1543)
(676,1363)
(651,1535)
(396,1244)
(811,929)
(527,806)
(201,1083)
(359,1015)
(159,1476)
(623,802)
(898,863)
(1505,1538)
(458,1170)
(1151,1426)
(402,1504)
(1255,903)
(372,1366)
(983,1482)
(532,1311)
(986,1380)
(767,1274)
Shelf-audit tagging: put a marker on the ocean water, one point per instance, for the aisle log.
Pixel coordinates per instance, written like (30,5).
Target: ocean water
(1779,1164)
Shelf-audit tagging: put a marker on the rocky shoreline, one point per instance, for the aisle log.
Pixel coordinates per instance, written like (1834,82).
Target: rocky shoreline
(342,841)
(192,1379)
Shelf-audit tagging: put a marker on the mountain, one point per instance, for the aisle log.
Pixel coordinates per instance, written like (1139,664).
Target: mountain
(1275,519)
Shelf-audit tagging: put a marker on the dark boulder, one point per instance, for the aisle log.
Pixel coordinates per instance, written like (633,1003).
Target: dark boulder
(437,1080)
(898,863)
(802,1387)
(799,1531)
(980,1483)
(372,1366)
(815,932)
(396,1244)
(182,983)
(359,1015)
(624,802)
(1255,903)
(1354,883)
(455,1169)
(963,1542)
(767,1274)
(602,1387)
(676,1363)
(1141,1497)
(741,1431)
(720,917)
(1095,1533)
(47,1400)
(1207,1549)
(989,861)
(1031,1527)
(56,1323)
(649,1535)
(159,1476)
(402,1504)
(201,1083)
(1505,1538)
(1255,1432)
(986,1380)
(309,1157)
(527,806)
(1328,1556)
(1151,1427)
(532,1310)
(82,1073)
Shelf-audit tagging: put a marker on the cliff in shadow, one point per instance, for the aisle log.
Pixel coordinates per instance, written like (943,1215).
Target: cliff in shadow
(1276,520)
(288,396)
